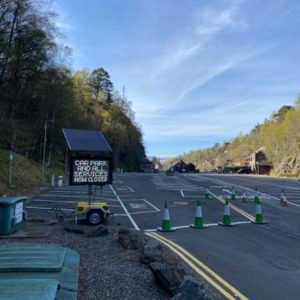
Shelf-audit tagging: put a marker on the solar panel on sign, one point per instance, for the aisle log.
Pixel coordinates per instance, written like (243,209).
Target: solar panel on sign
(83,140)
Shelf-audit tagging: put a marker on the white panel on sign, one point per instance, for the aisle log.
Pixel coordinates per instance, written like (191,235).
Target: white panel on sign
(19,212)
(90,171)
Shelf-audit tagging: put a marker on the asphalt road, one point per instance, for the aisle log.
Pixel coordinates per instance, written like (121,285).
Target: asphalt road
(260,261)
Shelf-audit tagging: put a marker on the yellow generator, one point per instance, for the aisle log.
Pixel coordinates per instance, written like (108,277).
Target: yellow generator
(94,213)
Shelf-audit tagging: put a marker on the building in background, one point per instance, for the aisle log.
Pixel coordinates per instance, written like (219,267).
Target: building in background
(146,165)
(258,162)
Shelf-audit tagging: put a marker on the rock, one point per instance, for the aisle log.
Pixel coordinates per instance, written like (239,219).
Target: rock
(151,252)
(74,229)
(124,231)
(100,231)
(35,220)
(190,290)
(52,222)
(166,275)
(130,240)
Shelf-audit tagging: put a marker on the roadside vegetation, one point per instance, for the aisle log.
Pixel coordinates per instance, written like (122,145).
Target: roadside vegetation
(38,89)
(279,135)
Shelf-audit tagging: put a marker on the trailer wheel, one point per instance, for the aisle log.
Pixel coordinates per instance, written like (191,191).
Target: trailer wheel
(95,217)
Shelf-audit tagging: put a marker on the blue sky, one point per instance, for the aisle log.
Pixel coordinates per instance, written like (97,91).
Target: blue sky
(197,72)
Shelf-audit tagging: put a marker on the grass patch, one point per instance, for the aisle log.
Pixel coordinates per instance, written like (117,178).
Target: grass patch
(26,174)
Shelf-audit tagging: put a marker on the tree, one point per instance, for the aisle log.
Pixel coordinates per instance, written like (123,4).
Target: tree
(101,86)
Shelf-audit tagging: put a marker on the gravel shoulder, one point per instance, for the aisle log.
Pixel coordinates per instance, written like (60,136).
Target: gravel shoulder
(107,270)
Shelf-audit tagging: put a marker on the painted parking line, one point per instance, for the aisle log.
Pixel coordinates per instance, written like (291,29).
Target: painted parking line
(144,212)
(225,288)
(49,208)
(126,189)
(69,202)
(70,196)
(141,199)
(193,196)
(125,209)
(97,193)
(252,190)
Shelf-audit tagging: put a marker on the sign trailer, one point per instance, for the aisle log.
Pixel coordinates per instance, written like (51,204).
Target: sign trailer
(90,163)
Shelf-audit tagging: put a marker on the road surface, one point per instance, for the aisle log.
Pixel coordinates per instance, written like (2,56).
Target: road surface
(246,261)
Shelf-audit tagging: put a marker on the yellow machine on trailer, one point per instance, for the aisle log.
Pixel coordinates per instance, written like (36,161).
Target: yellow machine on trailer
(94,213)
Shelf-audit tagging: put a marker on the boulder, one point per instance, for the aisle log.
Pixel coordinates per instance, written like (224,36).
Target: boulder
(167,275)
(152,252)
(130,240)
(100,231)
(189,289)
(74,229)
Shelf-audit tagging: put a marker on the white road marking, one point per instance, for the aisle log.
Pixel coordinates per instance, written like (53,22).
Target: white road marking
(226,191)
(184,196)
(72,201)
(252,190)
(157,209)
(208,225)
(137,205)
(94,197)
(241,222)
(125,209)
(132,190)
(144,212)
(49,208)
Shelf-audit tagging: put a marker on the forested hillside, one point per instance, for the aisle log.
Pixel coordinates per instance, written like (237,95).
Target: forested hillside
(37,88)
(279,135)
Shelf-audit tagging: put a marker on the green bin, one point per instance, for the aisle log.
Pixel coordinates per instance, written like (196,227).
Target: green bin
(12,214)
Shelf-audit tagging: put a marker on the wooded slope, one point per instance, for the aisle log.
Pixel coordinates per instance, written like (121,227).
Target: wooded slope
(37,88)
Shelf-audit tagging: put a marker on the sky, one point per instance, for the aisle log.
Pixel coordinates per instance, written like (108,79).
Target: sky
(198,72)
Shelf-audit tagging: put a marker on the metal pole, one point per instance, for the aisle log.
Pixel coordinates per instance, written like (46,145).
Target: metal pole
(10,167)
(44,150)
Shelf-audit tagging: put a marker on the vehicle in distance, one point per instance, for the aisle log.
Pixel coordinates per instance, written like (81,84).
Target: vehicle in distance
(244,171)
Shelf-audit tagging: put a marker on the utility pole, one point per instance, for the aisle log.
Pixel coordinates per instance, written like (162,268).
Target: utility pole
(44,148)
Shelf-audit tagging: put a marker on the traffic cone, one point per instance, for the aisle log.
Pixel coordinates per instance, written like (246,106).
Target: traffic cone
(256,198)
(198,218)
(258,214)
(166,223)
(244,197)
(226,215)
(206,195)
(281,197)
(284,201)
(233,195)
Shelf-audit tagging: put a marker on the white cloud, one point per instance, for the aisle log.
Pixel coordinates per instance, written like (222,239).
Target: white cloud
(209,23)
(213,21)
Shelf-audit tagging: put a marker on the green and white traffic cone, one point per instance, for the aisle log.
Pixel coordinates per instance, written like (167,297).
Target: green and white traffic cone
(244,197)
(282,197)
(206,195)
(198,223)
(284,201)
(258,214)
(256,198)
(233,194)
(166,223)
(226,215)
